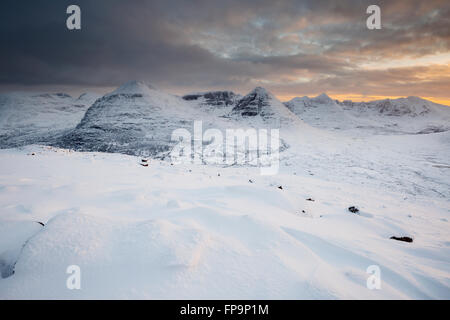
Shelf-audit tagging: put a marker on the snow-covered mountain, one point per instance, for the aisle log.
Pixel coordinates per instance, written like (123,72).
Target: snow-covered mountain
(27,118)
(133,119)
(408,115)
(139,119)
(390,116)
(264,107)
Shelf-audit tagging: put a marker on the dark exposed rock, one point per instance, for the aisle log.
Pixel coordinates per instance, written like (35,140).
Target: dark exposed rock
(214,98)
(405,239)
(353,209)
(280,187)
(309,199)
(253,103)
(41,223)
(53,95)
(6,268)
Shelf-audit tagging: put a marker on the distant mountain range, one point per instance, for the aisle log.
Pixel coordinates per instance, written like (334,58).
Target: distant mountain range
(137,118)
(410,115)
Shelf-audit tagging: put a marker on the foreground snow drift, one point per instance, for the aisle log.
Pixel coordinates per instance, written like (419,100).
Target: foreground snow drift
(207,232)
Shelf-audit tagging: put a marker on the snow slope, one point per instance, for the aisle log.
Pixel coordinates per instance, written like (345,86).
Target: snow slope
(27,118)
(187,232)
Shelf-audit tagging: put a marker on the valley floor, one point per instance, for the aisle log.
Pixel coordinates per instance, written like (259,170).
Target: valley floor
(202,232)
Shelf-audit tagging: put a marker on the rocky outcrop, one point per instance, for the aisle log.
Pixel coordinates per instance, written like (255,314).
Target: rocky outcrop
(214,98)
(254,103)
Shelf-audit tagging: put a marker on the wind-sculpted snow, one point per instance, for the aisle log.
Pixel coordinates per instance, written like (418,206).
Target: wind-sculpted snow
(13,237)
(202,232)
(27,118)
(195,230)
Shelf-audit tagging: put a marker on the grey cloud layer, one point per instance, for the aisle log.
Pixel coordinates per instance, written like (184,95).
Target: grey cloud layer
(290,46)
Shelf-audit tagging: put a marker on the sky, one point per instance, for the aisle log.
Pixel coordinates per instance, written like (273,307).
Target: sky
(292,48)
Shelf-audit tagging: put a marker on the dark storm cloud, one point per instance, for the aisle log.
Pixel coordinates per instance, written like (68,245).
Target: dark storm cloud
(290,46)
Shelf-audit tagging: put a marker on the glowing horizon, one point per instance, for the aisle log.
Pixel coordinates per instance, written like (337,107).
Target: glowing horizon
(292,48)
(361,98)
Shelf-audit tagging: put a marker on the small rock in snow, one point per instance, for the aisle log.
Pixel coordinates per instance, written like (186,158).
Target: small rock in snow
(353,209)
(405,239)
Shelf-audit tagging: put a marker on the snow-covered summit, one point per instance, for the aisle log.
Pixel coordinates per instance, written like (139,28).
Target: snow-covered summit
(323,98)
(387,116)
(133,87)
(253,103)
(261,104)
(320,99)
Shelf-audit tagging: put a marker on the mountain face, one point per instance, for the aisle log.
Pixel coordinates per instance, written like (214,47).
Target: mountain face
(139,120)
(261,105)
(411,107)
(133,119)
(27,118)
(214,98)
(136,119)
(410,115)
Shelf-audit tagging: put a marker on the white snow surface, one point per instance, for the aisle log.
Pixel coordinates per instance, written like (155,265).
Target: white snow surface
(184,232)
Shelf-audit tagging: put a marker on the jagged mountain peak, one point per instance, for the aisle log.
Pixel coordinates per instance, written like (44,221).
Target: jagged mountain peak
(264,105)
(253,103)
(322,98)
(260,91)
